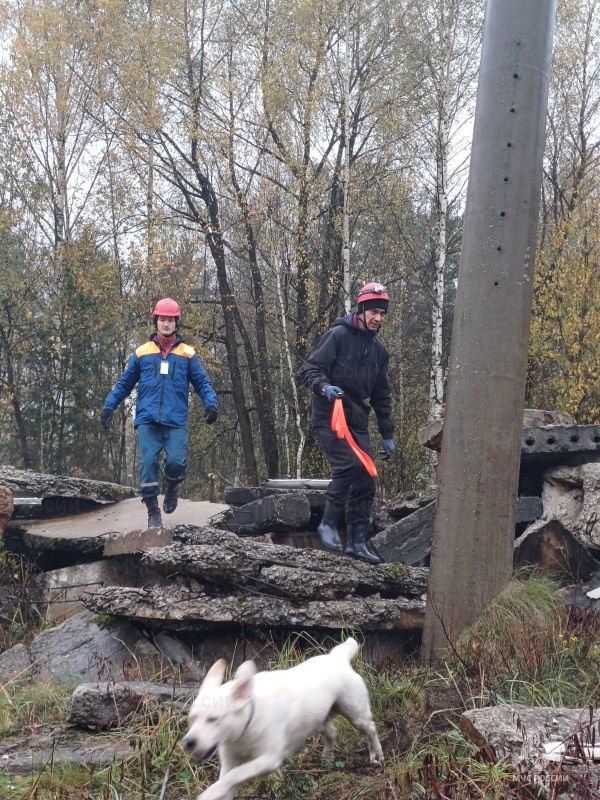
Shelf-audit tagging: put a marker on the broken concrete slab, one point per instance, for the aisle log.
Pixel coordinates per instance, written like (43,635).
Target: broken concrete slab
(307,539)
(528,509)
(533,418)
(85,648)
(65,587)
(118,544)
(60,493)
(550,546)
(127,515)
(406,504)
(278,512)
(562,494)
(430,435)
(52,746)
(520,735)
(560,443)
(107,705)
(52,552)
(407,541)
(241,495)
(224,560)
(185,607)
(63,541)
(571,493)
(296,483)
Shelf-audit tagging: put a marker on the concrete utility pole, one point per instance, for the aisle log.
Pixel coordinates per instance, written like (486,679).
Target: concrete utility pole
(479,463)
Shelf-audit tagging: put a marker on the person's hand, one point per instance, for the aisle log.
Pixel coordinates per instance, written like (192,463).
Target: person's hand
(106,418)
(210,415)
(333,392)
(388,447)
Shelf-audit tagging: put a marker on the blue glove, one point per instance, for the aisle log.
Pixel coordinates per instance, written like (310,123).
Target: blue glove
(333,392)
(389,447)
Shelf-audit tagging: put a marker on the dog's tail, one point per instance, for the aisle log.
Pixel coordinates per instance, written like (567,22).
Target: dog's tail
(347,649)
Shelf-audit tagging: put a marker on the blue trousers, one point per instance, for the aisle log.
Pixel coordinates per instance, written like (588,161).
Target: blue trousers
(152,439)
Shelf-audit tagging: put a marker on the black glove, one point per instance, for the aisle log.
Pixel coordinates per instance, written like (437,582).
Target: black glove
(106,418)
(210,415)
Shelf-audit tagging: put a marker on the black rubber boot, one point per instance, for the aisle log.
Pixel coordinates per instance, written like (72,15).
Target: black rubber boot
(154,518)
(170,501)
(356,547)
(328,529)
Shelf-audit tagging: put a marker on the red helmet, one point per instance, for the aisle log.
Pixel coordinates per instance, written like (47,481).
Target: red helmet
(167,308)
(373,291)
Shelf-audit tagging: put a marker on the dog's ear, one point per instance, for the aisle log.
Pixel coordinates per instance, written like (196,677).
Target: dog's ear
(242,691)
(245,671)
(214,676)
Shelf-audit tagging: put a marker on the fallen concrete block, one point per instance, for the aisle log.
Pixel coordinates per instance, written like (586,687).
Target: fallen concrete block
(280,512)
(549,546)
(407,541)
(106,705)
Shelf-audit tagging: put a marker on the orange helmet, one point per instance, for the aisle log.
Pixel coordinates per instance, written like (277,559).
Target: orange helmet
(373,292)
(167,308)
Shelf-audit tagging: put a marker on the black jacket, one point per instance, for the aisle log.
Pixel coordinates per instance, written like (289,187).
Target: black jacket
(357,362)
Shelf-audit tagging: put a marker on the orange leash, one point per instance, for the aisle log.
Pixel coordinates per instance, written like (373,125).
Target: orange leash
(340,426)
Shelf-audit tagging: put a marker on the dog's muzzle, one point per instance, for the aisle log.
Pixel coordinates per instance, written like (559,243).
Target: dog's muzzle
(191,743)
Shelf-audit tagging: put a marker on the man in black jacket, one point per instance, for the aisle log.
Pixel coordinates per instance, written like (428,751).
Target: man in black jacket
(351,363)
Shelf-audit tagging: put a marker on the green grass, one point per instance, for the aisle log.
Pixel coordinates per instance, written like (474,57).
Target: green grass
(417,711)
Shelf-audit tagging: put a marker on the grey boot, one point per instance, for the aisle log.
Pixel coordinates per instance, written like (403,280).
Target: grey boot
(154,518)
(328,529)
(356,547)
(170,501)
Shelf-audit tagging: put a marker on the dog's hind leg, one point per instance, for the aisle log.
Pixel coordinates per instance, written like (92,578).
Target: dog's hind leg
(329,732)
(355,706)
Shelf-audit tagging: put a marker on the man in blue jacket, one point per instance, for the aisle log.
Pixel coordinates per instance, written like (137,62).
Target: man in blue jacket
(163,367)
(350,363)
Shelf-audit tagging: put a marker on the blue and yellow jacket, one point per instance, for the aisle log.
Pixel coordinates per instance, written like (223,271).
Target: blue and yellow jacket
(163,391)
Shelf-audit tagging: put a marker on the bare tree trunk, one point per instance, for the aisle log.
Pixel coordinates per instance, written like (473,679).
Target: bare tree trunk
(301,170)
(259,375)
(288,356)
(15,398)
(150,211)
(346,224)
(436,382)
(62,256)
(211,227)
(230,311)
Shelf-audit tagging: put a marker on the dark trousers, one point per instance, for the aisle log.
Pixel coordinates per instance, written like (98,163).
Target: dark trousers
(351,485)
(152,439)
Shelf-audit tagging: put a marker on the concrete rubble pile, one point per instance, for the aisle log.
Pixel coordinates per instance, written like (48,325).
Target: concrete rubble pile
(238,579)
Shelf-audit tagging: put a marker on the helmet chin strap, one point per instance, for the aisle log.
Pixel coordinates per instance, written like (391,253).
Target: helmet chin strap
(362,315)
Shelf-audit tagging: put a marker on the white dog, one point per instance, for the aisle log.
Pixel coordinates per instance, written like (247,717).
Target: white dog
(256,721)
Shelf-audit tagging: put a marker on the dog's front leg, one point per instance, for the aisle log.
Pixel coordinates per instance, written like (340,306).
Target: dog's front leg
(228,762)
(224,788)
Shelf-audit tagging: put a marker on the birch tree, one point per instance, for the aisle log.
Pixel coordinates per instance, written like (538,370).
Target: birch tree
(451,42)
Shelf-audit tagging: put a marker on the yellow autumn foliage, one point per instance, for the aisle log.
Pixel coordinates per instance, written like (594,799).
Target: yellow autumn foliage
(564,355)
